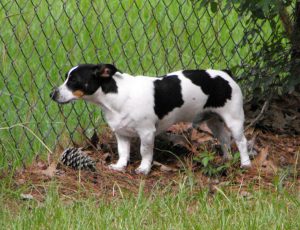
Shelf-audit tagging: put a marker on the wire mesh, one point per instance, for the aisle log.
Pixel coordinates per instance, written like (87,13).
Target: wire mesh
(40,40)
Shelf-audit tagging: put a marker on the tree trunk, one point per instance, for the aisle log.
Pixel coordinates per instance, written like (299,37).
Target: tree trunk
(295,50)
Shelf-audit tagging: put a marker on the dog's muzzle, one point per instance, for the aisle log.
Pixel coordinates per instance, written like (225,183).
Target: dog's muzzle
(54,94)
(59,97)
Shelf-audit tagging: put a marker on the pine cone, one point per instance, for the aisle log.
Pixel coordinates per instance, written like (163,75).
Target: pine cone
(77,159)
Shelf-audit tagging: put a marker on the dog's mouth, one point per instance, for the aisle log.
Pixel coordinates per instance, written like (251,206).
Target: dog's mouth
(55,96)
(63,102)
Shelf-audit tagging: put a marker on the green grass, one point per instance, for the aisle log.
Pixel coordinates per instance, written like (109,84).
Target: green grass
(189,208)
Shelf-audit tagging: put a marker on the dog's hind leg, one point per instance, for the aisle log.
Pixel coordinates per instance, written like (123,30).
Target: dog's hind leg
(217,126)
(123,151)
(235,123)
(219,130)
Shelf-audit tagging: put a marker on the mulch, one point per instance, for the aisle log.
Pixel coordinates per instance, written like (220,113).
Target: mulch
(278,157)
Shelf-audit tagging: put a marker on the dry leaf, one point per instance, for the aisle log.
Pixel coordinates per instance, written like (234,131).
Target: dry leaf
(203,127)
(262,156)
(164,168)
(51,170)
(20,181)
(263,164)
(269,167)
(201,137)
(41,165)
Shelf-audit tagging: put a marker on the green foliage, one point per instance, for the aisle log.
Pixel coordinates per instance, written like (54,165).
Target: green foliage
(268,72)
(268,69)
(259,9)
(262,9)
(211,168)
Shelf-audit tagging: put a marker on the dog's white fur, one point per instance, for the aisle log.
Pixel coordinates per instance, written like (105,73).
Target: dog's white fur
(130,113)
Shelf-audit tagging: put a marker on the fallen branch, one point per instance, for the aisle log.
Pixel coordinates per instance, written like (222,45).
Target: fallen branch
(259,116)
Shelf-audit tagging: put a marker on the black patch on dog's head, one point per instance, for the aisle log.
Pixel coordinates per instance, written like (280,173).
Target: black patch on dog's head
(167,95)
(217,88)
(87,78)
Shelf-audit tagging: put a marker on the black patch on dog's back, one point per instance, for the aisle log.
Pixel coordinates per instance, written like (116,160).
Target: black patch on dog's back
(217,88)
(167,95)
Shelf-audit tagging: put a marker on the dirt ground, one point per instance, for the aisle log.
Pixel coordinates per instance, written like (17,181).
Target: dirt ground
(276,164)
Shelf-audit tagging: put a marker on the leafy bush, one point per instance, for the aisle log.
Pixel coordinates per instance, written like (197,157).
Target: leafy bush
(273,65)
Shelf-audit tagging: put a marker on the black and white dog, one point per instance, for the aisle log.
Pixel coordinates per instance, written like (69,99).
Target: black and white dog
(146,106)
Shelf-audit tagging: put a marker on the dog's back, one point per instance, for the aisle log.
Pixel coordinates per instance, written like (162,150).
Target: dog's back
(182,95)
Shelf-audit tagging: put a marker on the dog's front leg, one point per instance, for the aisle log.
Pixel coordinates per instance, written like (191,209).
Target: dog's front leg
(147,144)
(123,151)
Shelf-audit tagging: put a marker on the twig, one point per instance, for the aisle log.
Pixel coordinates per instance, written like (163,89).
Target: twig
(28,129)
(263,109)
(296,164)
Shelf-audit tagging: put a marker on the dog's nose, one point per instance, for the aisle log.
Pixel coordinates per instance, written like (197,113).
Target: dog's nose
(53,94)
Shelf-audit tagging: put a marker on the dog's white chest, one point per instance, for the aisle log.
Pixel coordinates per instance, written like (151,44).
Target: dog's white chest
(121,123)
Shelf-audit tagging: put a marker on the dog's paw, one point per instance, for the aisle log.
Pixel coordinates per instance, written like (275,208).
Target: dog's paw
(117,167)
(143,170)
(246,164)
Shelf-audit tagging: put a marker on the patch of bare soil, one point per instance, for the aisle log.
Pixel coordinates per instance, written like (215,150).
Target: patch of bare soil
(174,159)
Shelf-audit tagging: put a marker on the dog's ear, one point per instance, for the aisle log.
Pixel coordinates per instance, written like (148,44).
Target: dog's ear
(105,70)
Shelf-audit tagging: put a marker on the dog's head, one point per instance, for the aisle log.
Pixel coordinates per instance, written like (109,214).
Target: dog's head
(84,80)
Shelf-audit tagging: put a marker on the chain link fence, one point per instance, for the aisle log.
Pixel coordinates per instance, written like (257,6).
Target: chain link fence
(41,40)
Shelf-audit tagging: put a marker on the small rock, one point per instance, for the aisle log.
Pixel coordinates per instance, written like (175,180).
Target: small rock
(282,160)
(20,181)
(245,194)
(26,196)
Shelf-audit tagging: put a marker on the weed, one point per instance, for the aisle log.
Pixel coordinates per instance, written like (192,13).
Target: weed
(211,167)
